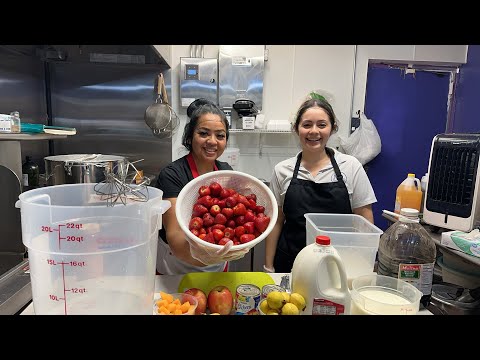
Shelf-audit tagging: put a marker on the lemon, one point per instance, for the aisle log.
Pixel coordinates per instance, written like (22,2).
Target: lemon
(298,300)
(286,296)
(275,300)
(272,312)
(264,307)
(290,309)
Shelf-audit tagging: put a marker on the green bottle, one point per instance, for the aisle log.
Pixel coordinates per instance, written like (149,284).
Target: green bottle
(30,174)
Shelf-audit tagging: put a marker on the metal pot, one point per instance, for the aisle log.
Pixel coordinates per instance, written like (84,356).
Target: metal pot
(82,168)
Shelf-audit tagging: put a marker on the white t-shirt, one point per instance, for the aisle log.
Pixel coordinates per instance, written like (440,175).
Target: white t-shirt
(360,190)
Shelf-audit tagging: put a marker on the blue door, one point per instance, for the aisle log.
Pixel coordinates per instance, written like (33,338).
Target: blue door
(408,111)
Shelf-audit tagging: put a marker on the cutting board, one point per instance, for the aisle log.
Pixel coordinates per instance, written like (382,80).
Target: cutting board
(206,281)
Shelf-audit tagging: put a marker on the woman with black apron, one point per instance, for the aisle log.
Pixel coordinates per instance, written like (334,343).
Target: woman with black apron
(320,189)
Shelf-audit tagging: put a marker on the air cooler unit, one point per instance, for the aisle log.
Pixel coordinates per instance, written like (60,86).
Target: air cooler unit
(452,200)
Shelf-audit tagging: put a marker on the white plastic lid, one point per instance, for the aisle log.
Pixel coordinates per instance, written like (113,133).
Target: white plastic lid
(409,212)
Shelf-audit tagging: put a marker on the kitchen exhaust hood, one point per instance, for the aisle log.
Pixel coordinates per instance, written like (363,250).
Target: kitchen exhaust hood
(103,54)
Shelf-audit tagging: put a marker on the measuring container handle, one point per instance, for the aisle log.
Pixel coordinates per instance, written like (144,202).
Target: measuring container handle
(158,209)
(42,199)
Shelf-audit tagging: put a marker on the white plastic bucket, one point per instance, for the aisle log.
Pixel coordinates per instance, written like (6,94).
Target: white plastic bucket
(89,258)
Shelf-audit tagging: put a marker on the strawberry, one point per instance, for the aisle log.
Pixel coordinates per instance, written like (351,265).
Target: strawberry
(249,227)
(220,219)
(261,223)
(240,220)
(259,209)
(215,210)
(239,231)
(229,232)
(230,202)
(208,220)
(206,201)
(249,216)
(246,238)
(224,193)
(195,223)
(204,190)
(199,210)
(218,226)
(223,241)
(251,197)
(239,209)
(215,188)
(231,223)
(217,234)
(227,212)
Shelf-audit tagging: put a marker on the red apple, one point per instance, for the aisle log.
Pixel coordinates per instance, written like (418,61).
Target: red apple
(220,300)
(201,297)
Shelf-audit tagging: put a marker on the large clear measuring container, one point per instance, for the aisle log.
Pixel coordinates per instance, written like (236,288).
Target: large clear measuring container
(89,258)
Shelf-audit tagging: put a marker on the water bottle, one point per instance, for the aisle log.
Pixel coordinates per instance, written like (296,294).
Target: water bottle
(409,194)
(407,252)
(318,274)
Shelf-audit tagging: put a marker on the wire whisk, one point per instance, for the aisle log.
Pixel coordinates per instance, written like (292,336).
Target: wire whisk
(120,185)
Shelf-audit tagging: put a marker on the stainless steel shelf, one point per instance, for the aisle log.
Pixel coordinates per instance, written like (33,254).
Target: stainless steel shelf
(24,136)
(259,131)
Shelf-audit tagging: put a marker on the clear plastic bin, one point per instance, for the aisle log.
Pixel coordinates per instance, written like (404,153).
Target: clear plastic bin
(89,258)
(354,237)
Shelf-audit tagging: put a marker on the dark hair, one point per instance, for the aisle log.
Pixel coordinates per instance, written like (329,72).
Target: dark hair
(321,103)
(195,110)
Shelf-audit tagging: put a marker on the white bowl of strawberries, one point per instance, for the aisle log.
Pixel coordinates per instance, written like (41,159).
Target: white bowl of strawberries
(226,205)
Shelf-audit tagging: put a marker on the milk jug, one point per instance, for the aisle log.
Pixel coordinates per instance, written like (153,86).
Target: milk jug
(318,274)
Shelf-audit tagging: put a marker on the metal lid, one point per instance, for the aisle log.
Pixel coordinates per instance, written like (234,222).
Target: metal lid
(85,158)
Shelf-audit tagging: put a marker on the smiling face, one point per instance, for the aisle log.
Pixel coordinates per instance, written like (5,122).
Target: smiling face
(209,138)
(314,129)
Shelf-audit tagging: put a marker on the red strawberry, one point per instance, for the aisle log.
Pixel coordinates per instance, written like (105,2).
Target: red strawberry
(252,196)
(246,238)
(224,193)
(195,223)
(215,188)
(240,220)
(204,190)
(260,209)
(227,212)
(249,216)
(239,231)
(223,241)
(220,219)
(218,226)
(199,210)
(215,209)
(261,223)
(239,209)
(230,202)
(229,233)
(217,234)
(206,201)
(249,227)
(208,220)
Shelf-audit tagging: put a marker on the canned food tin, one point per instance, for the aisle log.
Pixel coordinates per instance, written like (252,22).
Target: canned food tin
(247,298)
(269,288)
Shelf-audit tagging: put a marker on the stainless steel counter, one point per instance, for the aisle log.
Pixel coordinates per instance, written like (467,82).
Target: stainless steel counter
(15,288)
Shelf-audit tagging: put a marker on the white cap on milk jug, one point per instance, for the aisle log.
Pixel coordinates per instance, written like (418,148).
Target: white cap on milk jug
(409,215)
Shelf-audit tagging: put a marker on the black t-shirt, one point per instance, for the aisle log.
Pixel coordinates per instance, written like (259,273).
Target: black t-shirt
(175,176)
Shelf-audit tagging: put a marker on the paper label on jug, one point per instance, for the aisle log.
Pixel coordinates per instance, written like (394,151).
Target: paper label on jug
(326,307)
(419,275)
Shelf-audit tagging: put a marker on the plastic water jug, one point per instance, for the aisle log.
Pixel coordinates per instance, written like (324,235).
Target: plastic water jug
(86,257)
(407,252)
(318,274)
(409,194)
